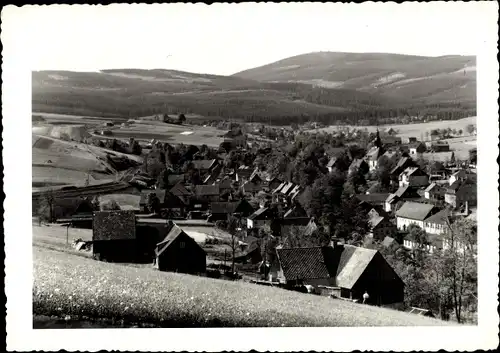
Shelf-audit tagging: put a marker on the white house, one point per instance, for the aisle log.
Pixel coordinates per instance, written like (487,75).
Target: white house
(413,213)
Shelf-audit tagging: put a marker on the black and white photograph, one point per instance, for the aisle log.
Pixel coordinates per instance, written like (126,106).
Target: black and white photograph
(268,176)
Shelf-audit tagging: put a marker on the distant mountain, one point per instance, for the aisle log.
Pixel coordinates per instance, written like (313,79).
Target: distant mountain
(421,79)
(132,93)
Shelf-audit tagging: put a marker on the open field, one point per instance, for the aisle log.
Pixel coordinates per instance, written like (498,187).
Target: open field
(408,130)
(67,285)
(68,162)
(170,133)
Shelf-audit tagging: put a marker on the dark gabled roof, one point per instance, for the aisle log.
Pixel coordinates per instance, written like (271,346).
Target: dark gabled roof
(224,207)
(303,263)
(225,183)
(402,163)
(160,193)
(374,153)
(415,210)
(370,198)
(296,221)
(207,190)
(174,179)
(356,163)
(180,190)
(203,164)
(113,225)
(439,218)
(261,214)
(251,187)
(174,233)
(294,212)
(416,171)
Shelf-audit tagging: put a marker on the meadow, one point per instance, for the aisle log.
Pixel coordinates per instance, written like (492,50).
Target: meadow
(78,288)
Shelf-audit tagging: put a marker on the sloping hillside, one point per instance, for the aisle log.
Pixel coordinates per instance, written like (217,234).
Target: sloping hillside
(65,284)
(132,93)
(429,79)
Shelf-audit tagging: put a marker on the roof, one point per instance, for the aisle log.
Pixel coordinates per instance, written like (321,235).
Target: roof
(203,164)
(373,198)
(388,241)
(353,262)
(207,190)
(259,214)
(439,218)
(403,162)
(278,189)
(331,162)
(113,225)
(174,232)
(224,207)
(251,187)
(414,171)
(390,154)
(356,163)
(174,179)
(287,188)
(374,220)
(303,263)
(180,190)
(432,187)
(160,193)
(294,212)
(415,210)
(296,221)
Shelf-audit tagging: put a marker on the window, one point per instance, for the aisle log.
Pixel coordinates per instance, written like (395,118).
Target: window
(182,245)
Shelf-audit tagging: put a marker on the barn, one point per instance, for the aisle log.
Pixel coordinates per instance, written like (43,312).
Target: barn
(178,252)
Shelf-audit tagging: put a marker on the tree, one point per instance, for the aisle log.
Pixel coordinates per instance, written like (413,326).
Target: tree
(460,264)
(384,167)
(181,119)
(473,155)
(46,207)
(470,129)
(153,203)
(460,132)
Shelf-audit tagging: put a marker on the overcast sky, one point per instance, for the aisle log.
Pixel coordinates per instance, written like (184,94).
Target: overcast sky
(224,39)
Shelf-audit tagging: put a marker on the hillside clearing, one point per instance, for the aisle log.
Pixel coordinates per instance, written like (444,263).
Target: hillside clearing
(74,286)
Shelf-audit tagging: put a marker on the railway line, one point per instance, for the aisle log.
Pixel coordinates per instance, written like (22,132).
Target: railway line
(74,191)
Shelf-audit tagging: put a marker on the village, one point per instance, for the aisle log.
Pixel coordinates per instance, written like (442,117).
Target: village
(331,214)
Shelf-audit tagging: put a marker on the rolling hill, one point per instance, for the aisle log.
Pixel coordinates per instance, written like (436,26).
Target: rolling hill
(421,79)
(323,86)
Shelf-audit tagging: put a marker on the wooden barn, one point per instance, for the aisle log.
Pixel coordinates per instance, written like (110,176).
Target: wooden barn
(352,269)
(114,237)
(178,252)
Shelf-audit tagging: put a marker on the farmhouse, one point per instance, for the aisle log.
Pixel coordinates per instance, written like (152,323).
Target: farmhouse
(403,193)
(372,157)
(168,201)
(402,164)
(413,213)
(273,183)
(352,270)
(260,218)
(417,148)
(207,193)
(413,177)
(204,165)
(221,210)
(438,146)
(114,237)
(380,226)
(461,193)
(178,252)
(434,192)
(437,223)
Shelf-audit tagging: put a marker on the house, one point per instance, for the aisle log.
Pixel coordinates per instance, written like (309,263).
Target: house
(413,177)
(358,165)
(402,164)
(178,252)
(273,183)
(433,243)
(114,236)
(461,193)
(437,223)
(389,242)
(174,179)
(352,270)
(391,155)
(416,149)
(374,199)
(372,157)
(263,216)
(252,253)
(221,210)
(409,140)
(207,193)
(204,165)
(459,175)
(251,188)
(434,192)
(295,219)
(413,213)
(438,146)
(380,226)
(403,193)
(181,192)
(243,173)
(236,137)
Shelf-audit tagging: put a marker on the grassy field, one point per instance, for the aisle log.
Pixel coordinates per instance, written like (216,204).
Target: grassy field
(408,130)
(75,287)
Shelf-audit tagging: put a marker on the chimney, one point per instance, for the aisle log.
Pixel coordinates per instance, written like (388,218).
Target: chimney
(336,243)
